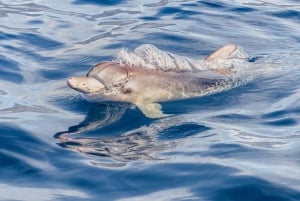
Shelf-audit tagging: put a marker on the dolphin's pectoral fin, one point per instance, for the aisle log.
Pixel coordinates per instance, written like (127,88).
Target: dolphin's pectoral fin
(152,110)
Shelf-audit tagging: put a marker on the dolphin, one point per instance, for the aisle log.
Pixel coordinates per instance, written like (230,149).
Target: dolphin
(146,88)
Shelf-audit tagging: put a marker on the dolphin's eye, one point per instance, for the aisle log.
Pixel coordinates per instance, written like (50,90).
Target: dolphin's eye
(126,91)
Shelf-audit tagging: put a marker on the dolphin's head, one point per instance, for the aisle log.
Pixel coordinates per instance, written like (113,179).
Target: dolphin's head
(104,81)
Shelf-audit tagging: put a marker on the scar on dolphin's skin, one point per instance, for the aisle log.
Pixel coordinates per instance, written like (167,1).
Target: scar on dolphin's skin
(147,87)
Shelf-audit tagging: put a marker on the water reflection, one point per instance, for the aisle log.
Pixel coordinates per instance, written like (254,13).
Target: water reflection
(141,143)
(98,116)
(107,133)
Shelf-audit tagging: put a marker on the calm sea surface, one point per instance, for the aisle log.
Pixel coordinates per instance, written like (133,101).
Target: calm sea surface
(242,144)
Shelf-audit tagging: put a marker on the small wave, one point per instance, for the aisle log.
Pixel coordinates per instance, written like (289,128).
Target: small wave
(17,108)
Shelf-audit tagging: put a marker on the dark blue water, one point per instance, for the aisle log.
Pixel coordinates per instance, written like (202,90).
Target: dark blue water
(242,144)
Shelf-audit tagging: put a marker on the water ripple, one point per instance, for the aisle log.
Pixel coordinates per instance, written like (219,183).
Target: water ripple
(97,2)
(242,144)
(10,70)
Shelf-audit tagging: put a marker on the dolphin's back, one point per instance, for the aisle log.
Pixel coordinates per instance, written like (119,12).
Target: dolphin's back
(195,86)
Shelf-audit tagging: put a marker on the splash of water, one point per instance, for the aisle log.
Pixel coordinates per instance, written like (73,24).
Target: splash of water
(150,57)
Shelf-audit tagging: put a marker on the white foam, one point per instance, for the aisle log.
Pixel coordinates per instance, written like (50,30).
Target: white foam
(150,57)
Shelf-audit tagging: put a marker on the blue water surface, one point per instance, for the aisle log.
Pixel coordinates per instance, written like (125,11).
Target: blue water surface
(242,144)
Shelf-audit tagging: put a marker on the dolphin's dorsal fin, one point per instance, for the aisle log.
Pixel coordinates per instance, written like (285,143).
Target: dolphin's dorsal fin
(151,110)
(222,53)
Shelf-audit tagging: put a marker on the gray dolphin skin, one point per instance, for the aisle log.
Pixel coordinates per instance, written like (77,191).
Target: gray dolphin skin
(145,88)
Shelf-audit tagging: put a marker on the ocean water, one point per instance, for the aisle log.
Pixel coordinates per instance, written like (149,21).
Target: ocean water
(240,144)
